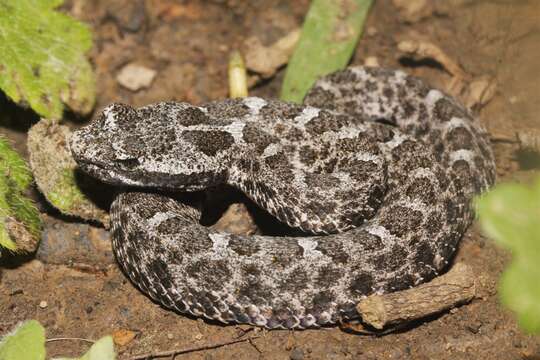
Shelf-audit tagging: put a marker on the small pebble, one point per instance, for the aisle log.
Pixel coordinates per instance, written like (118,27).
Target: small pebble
(297,354)
(130,15)
(371,61)
(333,356)
(43,304)
(16,292)
(395,354)
(135,77)
(371,31)
(170,336)
(474,327)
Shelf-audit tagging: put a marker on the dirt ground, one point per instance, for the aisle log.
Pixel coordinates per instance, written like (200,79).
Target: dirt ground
(74,288)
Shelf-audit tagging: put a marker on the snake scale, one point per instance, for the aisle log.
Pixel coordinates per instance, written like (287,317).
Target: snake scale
(376,168)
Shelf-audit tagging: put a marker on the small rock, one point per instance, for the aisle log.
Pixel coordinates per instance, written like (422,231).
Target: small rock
(297,354)
(135,77)
(73,243)
(130,15)
(474,327)
(236,220)
(266,60)
(43,304)
(170,336)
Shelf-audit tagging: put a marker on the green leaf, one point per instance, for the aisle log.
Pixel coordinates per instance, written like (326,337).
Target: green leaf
(103,349)
(510,214)
(12,165)
(20,224)
(26,342)
(42,60)
(329,36)
(66,193)
(55,169)
(520,292)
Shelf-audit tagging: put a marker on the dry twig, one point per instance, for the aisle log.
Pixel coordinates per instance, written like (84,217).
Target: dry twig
(423,49)
(70,339)
(442,293)
(529,140)
(475,92)
(173,353)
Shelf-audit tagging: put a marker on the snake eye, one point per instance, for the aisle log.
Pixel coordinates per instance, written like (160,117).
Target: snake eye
(128,163)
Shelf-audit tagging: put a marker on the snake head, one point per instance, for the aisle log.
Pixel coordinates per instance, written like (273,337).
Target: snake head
(166,145)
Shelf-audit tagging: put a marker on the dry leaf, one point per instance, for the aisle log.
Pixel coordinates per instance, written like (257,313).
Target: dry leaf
(123,337)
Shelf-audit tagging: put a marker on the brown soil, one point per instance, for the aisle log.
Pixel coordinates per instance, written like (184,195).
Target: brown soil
(187,43)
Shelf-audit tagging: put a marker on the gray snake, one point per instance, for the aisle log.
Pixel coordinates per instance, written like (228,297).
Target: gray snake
(376,168)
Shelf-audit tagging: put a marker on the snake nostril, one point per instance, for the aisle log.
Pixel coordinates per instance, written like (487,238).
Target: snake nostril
(385,121)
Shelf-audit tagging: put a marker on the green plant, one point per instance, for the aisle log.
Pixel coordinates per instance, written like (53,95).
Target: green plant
(27,342)
(510,214)
(43,61)
(20,224)
(328,39)
(43,65)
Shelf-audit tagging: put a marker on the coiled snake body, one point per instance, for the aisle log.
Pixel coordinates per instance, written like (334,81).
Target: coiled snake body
(377,166)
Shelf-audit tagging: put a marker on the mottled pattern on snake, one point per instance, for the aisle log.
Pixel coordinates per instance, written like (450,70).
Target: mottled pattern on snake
(379,167)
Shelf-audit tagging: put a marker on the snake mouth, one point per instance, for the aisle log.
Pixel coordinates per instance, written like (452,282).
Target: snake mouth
(163,181)
(109,176)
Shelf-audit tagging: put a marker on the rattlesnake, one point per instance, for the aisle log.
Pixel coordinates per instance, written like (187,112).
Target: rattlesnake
(376,167)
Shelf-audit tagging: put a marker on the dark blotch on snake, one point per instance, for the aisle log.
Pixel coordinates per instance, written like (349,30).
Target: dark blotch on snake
(209,142)
(445,110)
